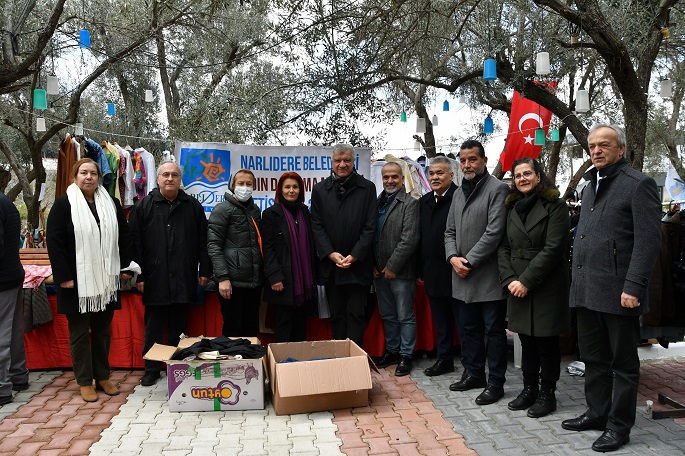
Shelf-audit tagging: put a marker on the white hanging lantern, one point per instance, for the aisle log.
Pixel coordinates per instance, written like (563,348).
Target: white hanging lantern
(417,146)
(542,63)
(149,97)
(666,89)
(53,85)
(434,120)
(420,125)
(462,99)
(582,101)
(40,123)
(78,129)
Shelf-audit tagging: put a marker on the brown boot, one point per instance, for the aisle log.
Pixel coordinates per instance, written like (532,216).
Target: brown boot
(106,386)
(88,393)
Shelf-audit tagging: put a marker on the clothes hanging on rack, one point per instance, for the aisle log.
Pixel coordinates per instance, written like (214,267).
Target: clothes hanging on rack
(150,169)
(66,157)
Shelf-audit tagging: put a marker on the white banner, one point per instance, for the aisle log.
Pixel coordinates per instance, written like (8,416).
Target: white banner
(208,167)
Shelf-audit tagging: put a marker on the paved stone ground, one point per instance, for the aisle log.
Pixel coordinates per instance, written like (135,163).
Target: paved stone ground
(407,416)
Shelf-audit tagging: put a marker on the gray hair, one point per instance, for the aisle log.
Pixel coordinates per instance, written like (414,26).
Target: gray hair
(342,147)
(620,134)
(441,160)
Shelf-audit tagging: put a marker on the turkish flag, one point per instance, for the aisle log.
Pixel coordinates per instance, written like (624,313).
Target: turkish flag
(526,117)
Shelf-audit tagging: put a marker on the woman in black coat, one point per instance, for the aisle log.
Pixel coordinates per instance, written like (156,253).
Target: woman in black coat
(289,259)
(89,225)
(533,266)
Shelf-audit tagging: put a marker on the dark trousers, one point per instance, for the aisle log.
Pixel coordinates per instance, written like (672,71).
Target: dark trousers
(13,369)
(484,321)
(241,312)
(608,346)
(90,355)
(291,323)
(347,311)
(540,360)
(445,315)
(171,318)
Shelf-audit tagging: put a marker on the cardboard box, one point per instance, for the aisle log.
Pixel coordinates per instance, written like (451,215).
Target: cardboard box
(211,385)
(329,375)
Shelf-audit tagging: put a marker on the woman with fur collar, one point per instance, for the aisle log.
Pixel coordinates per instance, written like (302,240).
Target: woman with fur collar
(533,267)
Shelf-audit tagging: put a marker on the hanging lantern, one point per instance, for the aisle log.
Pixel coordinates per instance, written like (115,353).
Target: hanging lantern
(417,146)
(666,33)
(111,109)
(434,120)
(420,125)
(666,89)
(78,129)
(149,97)
(539,137)
(445,105)
(555,134)
(84,39)
(542,63)
(582,100)
(53,85)
(403,116)
(490,70)
(40,123)
(488,126)
(462,99)
(40,99)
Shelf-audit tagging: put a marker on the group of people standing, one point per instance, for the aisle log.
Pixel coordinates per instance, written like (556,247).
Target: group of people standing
(486,252)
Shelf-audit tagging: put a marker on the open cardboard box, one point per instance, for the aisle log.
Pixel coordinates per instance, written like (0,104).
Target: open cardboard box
(328,375)
(201,385)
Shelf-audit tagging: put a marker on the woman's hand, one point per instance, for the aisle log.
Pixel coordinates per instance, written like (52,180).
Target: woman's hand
(125,275)
(278,286)
(67,284)
(225,289)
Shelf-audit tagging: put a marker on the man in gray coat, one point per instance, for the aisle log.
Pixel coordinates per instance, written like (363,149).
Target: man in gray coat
(616,246)
(397,238)
(475,226)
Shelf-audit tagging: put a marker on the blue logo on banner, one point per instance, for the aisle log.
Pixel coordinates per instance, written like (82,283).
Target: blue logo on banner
(206,173)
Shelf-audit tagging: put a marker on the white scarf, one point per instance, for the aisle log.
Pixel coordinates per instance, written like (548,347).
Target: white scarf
(97,250)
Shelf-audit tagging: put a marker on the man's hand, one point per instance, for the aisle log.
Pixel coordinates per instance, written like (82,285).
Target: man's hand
(388,274)
(225,289)
(348,260)
(202,281)
(459,266)
(141,287)
(518,289)
(67,284)
(336,258)
(278,286)
(375,273)
(629,301)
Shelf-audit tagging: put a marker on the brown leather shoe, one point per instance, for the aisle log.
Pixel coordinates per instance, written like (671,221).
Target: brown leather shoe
(88,393)
(107,386)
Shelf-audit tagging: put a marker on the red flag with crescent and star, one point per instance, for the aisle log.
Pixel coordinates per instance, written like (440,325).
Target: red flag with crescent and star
(526,117)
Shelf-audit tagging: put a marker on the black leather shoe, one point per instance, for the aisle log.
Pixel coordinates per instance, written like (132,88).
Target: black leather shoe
(150,378)
(546,404)
(610,441)
(490,395)
(584,423)
(20,386)
(441,366)
(388,359)
(404,367)
(4,400)
(468,382)
(525,399)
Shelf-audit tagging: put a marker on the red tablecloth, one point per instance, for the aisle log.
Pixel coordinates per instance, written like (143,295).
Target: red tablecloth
(47,347)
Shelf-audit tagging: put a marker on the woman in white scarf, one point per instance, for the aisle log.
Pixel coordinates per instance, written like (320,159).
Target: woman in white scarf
(88,240)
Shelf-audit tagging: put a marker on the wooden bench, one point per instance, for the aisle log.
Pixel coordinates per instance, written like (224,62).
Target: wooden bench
(37,257)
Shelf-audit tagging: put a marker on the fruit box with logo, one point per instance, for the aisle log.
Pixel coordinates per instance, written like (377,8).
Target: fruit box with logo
(202,385)
(319,376)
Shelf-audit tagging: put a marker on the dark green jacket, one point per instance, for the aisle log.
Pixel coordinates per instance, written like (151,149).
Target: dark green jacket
(535,253)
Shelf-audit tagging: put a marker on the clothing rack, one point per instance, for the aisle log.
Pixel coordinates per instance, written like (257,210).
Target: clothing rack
(678,410)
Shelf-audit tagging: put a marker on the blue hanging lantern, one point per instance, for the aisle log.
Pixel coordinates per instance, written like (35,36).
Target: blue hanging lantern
(111,109)
(539,137)
(488,126)
(490,70)
(555,134)
(445,105)
(403,116)
(40,99)
(84,39)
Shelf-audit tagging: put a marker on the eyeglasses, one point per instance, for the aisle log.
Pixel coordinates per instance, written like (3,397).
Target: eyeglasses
(168,175)
(525,174)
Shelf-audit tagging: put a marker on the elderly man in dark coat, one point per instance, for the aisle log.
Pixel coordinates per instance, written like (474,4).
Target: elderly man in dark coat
(344,224)
(169,233)
(616,247)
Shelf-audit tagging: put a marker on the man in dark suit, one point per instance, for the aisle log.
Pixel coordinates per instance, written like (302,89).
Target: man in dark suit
(435,271)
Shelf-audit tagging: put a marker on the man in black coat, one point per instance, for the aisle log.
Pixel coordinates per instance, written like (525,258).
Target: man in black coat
(13,372)
(344,225)
(169,232)
(616,246)
(436,272)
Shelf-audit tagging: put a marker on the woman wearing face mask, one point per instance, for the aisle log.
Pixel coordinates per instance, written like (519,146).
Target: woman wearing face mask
(234,244)
(533,266)
(289,259)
